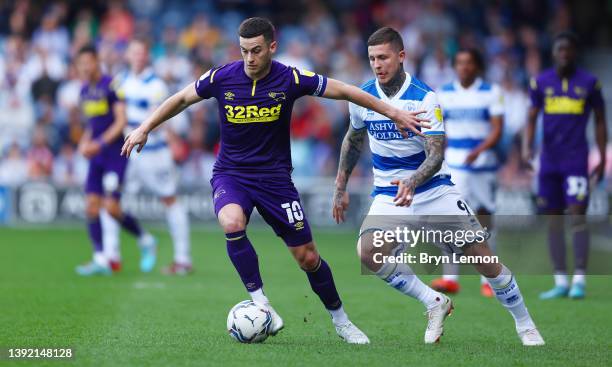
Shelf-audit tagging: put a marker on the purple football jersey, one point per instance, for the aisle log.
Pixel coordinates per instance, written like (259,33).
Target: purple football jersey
(566,104)
(97,101)
(255,115)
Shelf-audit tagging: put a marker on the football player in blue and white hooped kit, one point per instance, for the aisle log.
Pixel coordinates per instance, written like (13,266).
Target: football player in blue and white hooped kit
(473,119)
(155,169)
(411,179)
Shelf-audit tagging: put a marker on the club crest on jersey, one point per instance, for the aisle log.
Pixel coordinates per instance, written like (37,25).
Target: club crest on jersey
(549,91)
(277,96)
(579,91)
(229,96)
(438,113)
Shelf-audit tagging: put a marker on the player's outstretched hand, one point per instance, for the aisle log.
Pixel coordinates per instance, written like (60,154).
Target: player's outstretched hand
(405,192)
(410,121)
(340,205)
(137,138)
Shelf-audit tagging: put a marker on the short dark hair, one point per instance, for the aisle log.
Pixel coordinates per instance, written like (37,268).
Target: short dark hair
(387,35)
(88,49)
(569,36)
(254,27)
(475,54)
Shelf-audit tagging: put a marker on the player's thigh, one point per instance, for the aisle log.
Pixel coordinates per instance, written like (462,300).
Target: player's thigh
(551,196)
(278,202)
(232,201)
(158,173)
(95,174)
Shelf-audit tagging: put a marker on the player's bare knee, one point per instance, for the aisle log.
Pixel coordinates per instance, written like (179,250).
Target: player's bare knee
(92,208)
(309,261)
(488,270)
(366,252)
(234,224)
(113,207)
(232,218)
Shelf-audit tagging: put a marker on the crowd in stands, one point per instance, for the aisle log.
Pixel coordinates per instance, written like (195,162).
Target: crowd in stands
(40,120)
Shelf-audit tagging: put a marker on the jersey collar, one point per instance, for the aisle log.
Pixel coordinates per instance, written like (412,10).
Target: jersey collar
(399,93)
(474,86)
(144,74)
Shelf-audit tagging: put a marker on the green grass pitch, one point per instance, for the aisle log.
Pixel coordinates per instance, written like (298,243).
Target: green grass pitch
(134,319)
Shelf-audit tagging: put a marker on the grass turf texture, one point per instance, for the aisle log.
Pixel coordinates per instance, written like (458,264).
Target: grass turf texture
(154,320)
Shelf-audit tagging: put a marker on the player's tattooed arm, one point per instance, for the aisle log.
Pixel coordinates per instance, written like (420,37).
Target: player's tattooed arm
(350,151)
(434,156)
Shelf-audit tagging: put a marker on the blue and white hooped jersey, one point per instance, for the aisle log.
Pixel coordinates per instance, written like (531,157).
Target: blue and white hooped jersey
(393,156)
(467,114)
(143,94)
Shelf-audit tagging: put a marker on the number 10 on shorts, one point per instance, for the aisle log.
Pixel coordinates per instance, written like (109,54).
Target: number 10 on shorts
(294,211)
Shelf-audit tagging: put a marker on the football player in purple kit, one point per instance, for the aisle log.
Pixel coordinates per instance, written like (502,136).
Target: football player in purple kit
(104,109)
(566,94)
(255,98)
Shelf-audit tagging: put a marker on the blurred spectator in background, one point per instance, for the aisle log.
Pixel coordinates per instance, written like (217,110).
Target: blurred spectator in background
(13,167)
(40,158)
(69,167)
(38,40)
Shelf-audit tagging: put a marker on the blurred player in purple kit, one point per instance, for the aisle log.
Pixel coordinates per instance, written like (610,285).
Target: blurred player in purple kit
(104,109)
(566,95)
(255,98)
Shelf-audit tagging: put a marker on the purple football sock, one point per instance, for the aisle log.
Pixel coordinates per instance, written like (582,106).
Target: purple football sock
(322,283)
(130,224)
(95,233)
(243,256)
(556,243)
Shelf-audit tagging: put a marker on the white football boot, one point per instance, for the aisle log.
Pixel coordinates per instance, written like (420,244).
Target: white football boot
(277,323)
(435,320)
(531,337)
(351,334)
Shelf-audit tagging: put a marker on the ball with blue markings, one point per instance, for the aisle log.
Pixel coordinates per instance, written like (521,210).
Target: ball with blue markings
(249,322)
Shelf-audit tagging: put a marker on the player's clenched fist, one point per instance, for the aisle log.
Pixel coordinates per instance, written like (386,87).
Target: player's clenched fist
(410,120)
(138,138)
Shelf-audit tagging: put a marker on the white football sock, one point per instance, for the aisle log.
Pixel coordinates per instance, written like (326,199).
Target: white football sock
(339,317)
(178,224)
(402,278)
(110,236)
(579,277)
(508,293)
(100,259)
(259,296)
(561,280)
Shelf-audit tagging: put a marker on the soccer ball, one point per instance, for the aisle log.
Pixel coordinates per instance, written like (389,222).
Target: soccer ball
(249,322)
